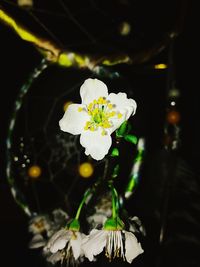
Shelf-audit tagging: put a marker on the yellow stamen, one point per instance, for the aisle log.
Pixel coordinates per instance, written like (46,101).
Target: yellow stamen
(119,115)
(100,111)
(103,132)
(90,106)
(112,114)
(80,109)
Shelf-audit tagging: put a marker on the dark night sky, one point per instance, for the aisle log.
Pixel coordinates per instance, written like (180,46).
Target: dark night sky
(18,59)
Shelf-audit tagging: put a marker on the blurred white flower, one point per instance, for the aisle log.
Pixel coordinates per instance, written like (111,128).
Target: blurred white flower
(42,227)
(55,257)
(112,241)
(103,210)
(60,218)
(97,117)
(37,241)
(39,224)
(136,226)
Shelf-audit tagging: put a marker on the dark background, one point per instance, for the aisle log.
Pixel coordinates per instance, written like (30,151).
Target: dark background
(17,60)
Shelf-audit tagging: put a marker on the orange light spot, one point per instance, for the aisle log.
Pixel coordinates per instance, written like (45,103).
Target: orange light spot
(173,117)
(34,171)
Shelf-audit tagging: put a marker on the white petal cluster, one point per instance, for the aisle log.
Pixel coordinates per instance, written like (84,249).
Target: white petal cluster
(71,246)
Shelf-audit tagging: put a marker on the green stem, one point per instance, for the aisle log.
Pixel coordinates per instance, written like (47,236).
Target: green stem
(115,202)
(86,194)
(114,213)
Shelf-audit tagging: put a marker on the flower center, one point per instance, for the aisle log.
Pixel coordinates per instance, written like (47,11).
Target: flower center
(101,113)
(40,225)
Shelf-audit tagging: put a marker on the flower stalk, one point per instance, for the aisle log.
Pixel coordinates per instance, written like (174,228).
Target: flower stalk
(85,196)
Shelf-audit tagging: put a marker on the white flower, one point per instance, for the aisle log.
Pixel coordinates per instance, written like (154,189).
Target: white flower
(42,227)
(39,224)
(112,241)
(99,115)
(65,244)
(59,221)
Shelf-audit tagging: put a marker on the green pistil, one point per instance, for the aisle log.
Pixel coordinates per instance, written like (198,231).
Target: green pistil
(97,118)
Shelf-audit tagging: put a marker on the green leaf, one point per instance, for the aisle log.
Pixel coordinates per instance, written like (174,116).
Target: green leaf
(115,171)
(115,152)
(122,129)
(131,138)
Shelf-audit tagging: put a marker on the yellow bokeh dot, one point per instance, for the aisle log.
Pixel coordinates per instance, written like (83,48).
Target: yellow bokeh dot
(125,28)
(160,66)
(34,171)
(66,105)
(86,169)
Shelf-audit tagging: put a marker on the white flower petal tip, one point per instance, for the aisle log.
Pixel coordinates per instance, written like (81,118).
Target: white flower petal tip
(94,243)
(93,89)
(132,246)
(74,121)
(37,242)
(96,145)
(99,115)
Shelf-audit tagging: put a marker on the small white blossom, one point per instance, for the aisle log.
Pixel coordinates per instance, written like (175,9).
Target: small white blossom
(99,115)
(42,227)
(112,242)
(39,224)
(64,245)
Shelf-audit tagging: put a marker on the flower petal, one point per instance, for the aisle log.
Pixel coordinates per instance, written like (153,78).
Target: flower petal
(132,247)
(55,236)
(117,122)
(97,219)
(123,105)
(96,144)
(92,89)
(94,243)
(76,245)
(59,240)
(53,258)
(37,241)
(121,102)
(74,120)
